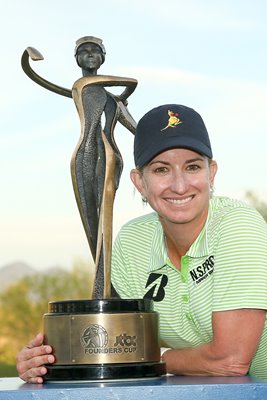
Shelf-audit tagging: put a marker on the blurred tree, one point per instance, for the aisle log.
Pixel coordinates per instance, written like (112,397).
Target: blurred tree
(23,304)
(258,203)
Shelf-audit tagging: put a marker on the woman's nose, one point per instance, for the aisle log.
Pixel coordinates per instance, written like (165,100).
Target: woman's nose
(179,183)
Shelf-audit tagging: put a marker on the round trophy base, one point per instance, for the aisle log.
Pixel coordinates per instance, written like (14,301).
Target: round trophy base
(109,339)
(96,372)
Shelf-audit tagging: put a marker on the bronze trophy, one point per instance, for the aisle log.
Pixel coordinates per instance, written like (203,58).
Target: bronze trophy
(105,337)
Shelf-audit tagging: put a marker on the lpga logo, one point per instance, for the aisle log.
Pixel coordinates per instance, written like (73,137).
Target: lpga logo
(94,336)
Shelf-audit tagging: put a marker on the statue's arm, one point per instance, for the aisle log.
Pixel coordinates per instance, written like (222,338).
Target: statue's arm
(126,118)
(106,81)
(35,55)
(129,89)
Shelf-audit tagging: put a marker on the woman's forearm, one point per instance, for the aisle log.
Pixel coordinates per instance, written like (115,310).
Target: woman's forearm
(203,360)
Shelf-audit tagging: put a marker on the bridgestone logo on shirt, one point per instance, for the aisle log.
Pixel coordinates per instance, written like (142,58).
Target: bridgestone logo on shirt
(156,292)
(201,272)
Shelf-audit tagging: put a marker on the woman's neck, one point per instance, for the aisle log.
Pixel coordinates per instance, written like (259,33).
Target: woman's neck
(179,238)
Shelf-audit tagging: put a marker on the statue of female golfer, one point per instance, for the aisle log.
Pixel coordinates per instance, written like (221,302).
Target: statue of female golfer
(96,163)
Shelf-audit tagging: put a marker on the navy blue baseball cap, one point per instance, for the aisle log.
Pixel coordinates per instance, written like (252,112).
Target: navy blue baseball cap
(170,126)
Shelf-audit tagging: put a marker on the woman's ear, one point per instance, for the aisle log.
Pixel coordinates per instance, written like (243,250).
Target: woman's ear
(137,179)
(213,170)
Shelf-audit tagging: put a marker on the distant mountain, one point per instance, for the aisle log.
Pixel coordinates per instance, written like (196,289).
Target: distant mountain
(11,273)
(52,271)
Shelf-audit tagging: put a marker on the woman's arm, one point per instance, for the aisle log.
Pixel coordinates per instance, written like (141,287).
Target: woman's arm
(236,335)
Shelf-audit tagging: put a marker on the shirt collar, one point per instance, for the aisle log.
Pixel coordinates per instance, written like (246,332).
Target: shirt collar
(200,247)
(158,252)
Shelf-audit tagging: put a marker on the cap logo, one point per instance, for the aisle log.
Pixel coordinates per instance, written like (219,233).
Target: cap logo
(173,121)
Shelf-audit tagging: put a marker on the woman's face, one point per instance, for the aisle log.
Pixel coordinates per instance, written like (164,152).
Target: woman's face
(89,56)
(177,185)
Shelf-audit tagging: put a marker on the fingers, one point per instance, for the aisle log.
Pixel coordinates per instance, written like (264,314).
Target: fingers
(34,375)
(37,341)
(31,360)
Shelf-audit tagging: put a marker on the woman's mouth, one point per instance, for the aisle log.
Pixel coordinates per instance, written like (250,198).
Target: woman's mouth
(180,201)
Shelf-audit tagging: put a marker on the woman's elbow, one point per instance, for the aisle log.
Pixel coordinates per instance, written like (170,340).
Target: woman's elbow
(232,366)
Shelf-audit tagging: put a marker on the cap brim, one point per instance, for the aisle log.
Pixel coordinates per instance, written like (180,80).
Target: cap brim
(175,142)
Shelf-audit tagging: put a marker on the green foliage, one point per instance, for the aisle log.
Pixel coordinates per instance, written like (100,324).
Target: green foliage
(7,370)
(23,304)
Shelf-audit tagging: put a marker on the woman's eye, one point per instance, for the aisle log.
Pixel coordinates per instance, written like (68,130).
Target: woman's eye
(160,170)
(193,167)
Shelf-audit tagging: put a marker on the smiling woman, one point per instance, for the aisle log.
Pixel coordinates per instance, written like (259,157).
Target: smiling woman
(175,173)
(177,183)
(202,259)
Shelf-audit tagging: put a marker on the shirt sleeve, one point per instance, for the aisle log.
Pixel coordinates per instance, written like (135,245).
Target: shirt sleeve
(240,272)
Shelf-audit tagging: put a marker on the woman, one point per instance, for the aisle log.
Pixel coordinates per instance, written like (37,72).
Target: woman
(202,260)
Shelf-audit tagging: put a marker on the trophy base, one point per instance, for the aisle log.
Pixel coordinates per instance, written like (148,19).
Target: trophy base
(94,372)
(109,339)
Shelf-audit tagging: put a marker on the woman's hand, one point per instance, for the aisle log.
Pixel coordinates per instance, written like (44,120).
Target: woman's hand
(31,360)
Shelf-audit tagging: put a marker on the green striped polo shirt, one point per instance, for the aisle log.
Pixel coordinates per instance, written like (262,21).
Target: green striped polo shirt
(224,269)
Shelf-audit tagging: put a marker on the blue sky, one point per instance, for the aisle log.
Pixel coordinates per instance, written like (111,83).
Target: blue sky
(210,55)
